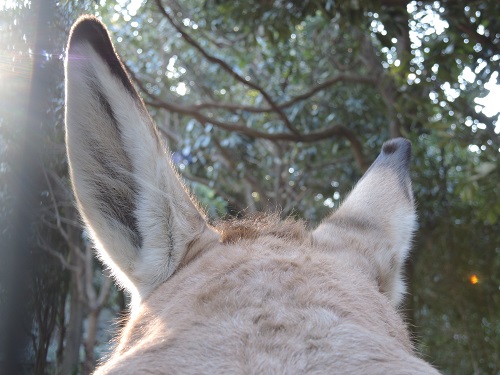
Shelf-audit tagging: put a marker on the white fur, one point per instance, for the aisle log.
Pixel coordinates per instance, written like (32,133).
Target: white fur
(139,270)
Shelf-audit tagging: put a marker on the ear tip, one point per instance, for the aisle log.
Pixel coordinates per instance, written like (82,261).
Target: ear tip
(397,150)
(89,29)
(400,144)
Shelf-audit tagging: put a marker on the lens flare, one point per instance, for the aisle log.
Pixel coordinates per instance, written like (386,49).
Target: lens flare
(473,279)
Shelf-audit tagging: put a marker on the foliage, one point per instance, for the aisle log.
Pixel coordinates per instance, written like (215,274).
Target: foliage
(282,105)
(51,282)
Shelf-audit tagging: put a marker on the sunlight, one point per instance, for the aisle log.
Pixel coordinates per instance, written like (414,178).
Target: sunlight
(491,102)
(132,6)
(428,21)
(125,8)
(468,75)
(7,4)
(181,89)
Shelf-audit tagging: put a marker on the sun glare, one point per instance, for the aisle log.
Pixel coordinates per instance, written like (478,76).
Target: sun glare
(7,4)
(13,4)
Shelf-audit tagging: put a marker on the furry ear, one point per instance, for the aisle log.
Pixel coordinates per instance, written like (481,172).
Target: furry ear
(378,218)
(141,218)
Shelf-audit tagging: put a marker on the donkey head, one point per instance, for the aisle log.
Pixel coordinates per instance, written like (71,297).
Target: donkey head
(202,295)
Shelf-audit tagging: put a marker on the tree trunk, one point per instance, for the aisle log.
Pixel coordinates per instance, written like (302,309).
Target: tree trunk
(95,300)
(92,320)
(62,330)
(71,357)
(73,332)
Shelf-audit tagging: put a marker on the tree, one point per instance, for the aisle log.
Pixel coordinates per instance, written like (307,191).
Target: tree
(50,285)
(283,105)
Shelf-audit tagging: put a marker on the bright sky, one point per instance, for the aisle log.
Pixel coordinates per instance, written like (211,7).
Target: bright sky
(6,4)
(434,24)
(491,102)
(132,6)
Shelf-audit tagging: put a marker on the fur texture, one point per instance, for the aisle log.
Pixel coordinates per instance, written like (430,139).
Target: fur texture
(255,296)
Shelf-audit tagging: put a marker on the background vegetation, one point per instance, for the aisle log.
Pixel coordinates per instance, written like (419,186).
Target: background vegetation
(264,104)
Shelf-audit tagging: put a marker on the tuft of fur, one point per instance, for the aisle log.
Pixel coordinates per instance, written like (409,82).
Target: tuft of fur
(260,225)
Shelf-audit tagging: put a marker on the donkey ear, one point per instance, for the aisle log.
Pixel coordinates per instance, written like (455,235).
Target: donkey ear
(378,218)
(141,218)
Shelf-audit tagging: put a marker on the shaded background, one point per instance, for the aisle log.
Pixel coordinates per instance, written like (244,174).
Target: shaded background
(264,105)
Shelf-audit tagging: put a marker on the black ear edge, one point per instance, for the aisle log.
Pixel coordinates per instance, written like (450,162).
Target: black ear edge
(89,29)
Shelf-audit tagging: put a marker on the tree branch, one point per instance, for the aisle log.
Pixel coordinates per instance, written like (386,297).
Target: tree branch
(331,131)
(59,256)
(252,109)
(320,135)
(62,231)
(225,66)
(478,38)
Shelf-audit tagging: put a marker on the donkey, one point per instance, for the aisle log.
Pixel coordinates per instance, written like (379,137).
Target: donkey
(257,296)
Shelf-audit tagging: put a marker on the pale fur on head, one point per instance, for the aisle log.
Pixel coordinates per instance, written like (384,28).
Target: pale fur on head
(260,296)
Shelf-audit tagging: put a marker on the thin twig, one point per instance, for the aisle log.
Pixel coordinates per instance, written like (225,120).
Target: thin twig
(63,232)
(320,87)
(59,256)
